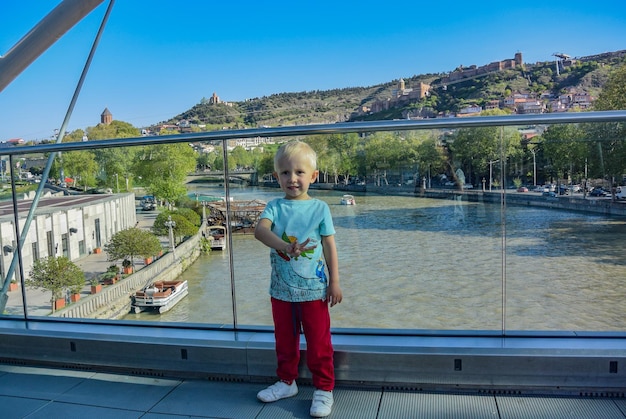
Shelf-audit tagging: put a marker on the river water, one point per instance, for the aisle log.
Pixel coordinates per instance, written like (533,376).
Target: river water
(418,263)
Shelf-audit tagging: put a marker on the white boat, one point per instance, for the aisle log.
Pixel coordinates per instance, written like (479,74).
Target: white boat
(160,296)
(348,200)
(217,237)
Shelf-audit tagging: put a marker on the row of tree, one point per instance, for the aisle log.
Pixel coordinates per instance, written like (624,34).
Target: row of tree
(161,169)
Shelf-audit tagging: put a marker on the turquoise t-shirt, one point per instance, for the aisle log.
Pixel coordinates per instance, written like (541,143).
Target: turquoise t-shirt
(302,278)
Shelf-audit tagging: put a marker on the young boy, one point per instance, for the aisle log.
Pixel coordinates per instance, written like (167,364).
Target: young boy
(300,232)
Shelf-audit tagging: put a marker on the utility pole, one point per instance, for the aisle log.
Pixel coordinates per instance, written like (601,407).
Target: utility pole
(170,225)
(491,162)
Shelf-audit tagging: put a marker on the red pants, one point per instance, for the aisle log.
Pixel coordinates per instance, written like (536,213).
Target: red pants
(314,318)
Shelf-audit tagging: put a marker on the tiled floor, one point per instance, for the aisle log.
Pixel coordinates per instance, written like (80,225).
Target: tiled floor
(30,392)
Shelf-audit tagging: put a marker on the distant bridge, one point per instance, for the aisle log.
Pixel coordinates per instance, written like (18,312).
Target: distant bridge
(237,176)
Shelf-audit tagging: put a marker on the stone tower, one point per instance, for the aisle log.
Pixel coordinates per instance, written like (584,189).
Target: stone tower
(518,59)
(106,117)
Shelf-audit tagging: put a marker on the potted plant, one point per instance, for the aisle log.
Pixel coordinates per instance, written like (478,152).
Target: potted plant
(55,274)
(97,250)
(96,287)
(111,275)
(13,285)
(59,303)
(128,266)
(108,278)
(75,294)
(75,285)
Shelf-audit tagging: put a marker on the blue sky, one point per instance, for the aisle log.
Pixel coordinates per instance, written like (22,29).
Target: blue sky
(158,58)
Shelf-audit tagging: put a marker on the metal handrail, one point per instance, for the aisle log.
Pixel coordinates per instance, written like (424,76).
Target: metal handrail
(339,128)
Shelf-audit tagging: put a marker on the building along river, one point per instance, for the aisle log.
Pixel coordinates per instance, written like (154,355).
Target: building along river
(421,263)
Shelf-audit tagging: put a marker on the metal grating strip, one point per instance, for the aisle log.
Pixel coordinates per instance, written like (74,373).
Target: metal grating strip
(436,405)
(348,404)
(557,407)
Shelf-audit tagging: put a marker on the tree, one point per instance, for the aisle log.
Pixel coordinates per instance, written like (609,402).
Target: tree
(131,243)
(383,151)
(203,162)
(241,158)
(345,148)
(611,145)
(613,95)
(265,164)
(163,169)
(80,166)
(113,160)
(474,148)
(431,158)
(55,274)
(218,161)
(563,146)
(116,129)
(192,216)
(184,226)
(256,155)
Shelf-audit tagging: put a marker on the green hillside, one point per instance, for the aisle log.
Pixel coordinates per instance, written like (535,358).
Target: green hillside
(584,74)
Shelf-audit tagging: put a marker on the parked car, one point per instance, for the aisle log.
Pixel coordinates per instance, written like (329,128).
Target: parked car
(522,189)
(598,192)
(620,192)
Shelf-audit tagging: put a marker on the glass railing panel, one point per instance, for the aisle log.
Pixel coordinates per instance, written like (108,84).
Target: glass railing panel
(564,268)
(408,251)
(419,262)
(457,246)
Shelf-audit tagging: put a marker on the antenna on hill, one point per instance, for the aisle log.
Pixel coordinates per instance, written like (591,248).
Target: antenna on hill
(559,56)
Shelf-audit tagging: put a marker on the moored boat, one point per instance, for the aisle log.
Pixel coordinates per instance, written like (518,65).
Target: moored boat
(217,237)
(160,296)
(348,200)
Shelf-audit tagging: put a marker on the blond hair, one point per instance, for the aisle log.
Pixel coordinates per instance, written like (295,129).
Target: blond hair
(296,148)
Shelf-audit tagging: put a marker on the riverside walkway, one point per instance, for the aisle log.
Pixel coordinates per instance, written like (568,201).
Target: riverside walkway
(93,265)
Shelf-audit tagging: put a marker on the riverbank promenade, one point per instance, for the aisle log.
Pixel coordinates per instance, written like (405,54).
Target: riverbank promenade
(33,392)
(92,264)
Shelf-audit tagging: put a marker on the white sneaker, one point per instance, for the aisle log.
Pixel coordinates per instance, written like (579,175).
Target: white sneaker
(277,391)
(322,403)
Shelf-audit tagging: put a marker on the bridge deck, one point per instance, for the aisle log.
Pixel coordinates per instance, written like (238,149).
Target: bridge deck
(47,392)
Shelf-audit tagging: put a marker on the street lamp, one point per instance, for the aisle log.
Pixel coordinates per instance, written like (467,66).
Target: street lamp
(170,225)
(532,150)
(491,162)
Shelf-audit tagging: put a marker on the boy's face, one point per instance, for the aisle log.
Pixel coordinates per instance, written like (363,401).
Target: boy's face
(294,176)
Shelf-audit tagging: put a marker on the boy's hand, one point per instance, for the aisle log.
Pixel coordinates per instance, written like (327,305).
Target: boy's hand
(333,294)
(295,249)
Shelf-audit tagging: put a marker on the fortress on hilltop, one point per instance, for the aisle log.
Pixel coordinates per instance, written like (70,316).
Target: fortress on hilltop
(466,72)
